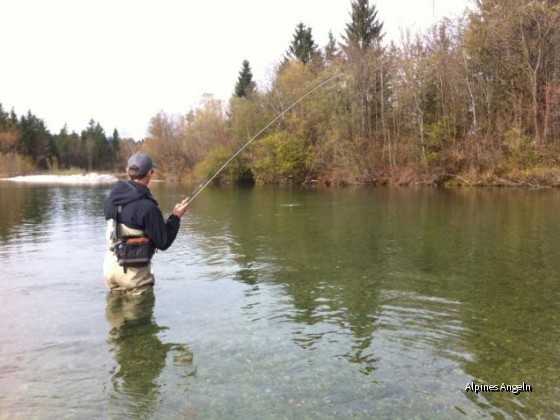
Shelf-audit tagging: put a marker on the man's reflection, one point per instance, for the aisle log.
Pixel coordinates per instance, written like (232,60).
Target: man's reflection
(139,352)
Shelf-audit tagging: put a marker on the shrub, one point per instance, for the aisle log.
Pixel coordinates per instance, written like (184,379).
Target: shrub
(15,164)
(279,158)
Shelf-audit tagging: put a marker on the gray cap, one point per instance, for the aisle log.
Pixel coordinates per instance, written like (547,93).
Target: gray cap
(139,164)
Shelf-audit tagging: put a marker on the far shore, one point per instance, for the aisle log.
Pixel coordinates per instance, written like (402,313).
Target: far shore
(404,179)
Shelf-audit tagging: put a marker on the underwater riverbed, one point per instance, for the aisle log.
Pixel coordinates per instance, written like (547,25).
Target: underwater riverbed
(277,303)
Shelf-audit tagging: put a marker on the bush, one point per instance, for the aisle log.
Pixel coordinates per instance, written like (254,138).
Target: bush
(14,164)
(279,158)
(235,171)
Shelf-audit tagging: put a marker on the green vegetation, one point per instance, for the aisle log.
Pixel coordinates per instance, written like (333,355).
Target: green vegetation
(245,85)
(303,48)
(470,101)
(27,146)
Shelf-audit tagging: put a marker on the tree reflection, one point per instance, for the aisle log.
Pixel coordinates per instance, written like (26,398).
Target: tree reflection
(315,250)
(33,207)
(436,287)
(139,352)
(29,205)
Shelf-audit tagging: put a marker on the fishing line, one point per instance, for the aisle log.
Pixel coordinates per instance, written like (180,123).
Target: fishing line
(199,189)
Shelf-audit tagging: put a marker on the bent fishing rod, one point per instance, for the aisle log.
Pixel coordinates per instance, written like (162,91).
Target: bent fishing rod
(207,182)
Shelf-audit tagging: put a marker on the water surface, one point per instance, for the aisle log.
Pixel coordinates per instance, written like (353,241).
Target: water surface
(276,303)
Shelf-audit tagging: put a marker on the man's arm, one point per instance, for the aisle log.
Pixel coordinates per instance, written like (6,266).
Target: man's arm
(163,232)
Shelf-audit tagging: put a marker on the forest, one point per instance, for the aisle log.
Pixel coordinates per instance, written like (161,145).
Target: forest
(470,101)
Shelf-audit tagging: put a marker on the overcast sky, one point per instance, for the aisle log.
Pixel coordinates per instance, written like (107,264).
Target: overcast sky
(121,61)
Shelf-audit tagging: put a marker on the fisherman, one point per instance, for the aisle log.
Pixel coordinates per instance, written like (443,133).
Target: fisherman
(135,229)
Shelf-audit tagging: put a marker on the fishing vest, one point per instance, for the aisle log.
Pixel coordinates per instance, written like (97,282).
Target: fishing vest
(131,247)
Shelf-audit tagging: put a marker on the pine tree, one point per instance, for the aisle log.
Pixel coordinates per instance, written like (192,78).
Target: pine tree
(4,118)
(331,49)
(68,149)
(98,152)
(115,137)
(9,131)
(9,120)
(303,47)
(245,85)
(365,57)
(114,142)
(364,28)
(36,141)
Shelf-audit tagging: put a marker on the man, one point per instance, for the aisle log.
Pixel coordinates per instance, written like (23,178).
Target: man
(135,224)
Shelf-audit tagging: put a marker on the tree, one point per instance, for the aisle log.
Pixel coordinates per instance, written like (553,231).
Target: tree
(331,50)
(36,141)
(9,132)
(364,28)
(164,144)
(245,118)
(512,46)
(303,47)
(4,119)
(114,144)
(368,78)
(245,86)
(98,152)
(115,137)
(70,149)
(206,129)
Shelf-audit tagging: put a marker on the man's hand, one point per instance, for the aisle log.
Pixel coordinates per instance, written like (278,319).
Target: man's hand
(180,208)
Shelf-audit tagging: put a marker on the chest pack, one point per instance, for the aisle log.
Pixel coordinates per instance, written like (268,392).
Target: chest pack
(131,251)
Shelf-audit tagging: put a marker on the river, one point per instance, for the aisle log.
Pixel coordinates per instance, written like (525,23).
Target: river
(286,303)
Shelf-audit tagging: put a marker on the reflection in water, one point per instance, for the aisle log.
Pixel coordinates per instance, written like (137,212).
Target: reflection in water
(445,287)
(381,303)
(24,206)
(140,354)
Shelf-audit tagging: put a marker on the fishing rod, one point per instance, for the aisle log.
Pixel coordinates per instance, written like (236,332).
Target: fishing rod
(199,189)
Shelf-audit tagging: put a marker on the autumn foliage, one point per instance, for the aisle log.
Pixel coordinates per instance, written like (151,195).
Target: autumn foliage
(469,101)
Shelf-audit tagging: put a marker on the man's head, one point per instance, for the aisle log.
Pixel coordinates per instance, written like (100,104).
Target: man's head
(139,165)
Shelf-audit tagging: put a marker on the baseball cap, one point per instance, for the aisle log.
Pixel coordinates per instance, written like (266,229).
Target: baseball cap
(139,164)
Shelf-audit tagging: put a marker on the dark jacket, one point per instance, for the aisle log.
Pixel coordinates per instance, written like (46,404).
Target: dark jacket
(140,211)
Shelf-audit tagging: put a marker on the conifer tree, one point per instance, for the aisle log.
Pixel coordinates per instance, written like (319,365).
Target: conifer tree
(245,85)
(97,148)
(4,118)
(364,52)
(331,49)
(303,47)
(9,131)
(69,149)
(364,28)
(36,141)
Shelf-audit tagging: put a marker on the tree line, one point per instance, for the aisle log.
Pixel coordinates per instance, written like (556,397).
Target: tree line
(471,100)
(26,145)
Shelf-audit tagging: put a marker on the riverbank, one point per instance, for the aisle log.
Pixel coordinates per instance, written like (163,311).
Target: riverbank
(534,177)
(406,176)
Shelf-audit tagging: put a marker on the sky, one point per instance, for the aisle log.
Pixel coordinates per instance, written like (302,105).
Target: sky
(120,62)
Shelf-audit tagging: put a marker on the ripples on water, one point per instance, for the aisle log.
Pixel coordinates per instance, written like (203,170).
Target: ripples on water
(284,304)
